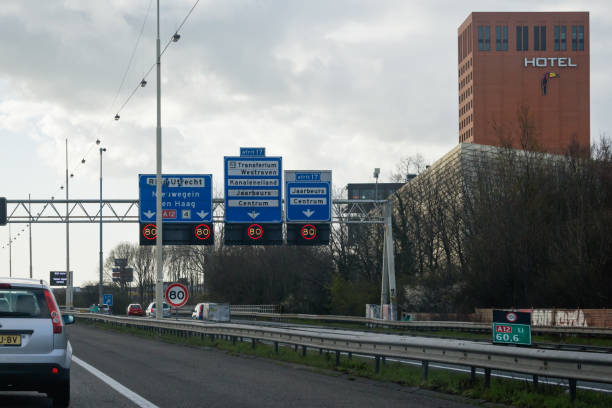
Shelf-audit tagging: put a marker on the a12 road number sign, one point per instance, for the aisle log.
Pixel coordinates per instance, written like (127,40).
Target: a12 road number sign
(177,295)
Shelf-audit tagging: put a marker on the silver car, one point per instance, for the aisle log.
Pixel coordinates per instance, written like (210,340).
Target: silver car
(150,312)
(34,351)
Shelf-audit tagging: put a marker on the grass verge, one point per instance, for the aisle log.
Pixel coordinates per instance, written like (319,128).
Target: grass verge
(508,392)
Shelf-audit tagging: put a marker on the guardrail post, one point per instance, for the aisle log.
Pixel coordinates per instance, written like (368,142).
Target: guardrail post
(234,340)
(303,351)
(377,364)
(473,374)
(320,351)
(276,346)
(337,358)
(487,380)
(253,343)
(295,346)
(384,360)
(572,389)
(535,381)
(350,355)
(425,365)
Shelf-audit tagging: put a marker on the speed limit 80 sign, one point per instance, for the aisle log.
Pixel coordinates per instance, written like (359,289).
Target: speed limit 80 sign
(177,295)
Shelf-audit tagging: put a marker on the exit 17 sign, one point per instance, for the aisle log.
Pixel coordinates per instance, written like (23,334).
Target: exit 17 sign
(308,195)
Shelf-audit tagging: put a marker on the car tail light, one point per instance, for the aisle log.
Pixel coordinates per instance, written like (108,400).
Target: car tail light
(56,318)
(54,370)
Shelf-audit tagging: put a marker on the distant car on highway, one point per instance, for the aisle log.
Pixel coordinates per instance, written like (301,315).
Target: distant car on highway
(198,311)
(135,309)
(96,308)
(150,312)
(35,354)
(216,312)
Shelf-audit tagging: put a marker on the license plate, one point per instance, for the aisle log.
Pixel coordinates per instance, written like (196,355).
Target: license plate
(10,340)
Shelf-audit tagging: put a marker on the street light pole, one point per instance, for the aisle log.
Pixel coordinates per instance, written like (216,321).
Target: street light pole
(69,287)
(101,283)
(159,286)
(30,231)
(10,253)
(376,174)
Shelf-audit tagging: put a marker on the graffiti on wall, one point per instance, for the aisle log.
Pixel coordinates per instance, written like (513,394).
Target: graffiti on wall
(558,318)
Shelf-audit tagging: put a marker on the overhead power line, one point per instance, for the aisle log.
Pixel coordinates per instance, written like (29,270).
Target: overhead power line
(173,38)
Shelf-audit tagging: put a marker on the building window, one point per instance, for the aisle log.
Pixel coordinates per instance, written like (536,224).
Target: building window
(484,38)
(522,38)
(501,38)
(560,38)
(577,38)
(539,38)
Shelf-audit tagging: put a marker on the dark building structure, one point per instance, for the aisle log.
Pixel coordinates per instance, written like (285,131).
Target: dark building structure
(370,191)
(531,67)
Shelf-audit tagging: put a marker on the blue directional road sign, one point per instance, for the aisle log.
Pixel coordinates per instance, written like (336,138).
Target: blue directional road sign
(253,189)
(108,299)
(186,198)
(308,195)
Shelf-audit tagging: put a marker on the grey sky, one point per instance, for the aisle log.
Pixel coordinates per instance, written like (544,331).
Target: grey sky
(340,85)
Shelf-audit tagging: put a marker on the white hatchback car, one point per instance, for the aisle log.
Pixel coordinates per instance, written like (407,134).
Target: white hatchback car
(35,354)
(150,312)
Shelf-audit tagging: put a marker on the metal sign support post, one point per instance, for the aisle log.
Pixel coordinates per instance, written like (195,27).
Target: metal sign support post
(388,289)
(159,285)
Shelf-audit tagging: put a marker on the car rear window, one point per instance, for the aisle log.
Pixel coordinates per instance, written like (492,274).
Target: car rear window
(23,302)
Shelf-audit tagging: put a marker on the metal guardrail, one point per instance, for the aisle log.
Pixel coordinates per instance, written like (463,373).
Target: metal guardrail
(426,325)
(571,365)
(254,311)
(254,308)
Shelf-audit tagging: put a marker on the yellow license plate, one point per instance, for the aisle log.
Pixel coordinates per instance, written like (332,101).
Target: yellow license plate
(10,340)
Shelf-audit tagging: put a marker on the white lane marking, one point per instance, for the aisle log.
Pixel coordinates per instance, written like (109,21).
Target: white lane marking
(126,392)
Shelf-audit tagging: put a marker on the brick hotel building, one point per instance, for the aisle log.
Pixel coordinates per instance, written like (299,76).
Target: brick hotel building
(535,62)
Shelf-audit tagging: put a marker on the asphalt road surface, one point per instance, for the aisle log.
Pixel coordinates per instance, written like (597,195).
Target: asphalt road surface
(117,370)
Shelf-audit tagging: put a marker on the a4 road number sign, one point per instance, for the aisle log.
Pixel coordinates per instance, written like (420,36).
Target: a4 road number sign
(177,295)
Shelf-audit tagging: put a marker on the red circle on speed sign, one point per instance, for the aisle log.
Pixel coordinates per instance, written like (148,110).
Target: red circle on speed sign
(177,294)
(202,232)
(308,231)
(255,231)
(150,231)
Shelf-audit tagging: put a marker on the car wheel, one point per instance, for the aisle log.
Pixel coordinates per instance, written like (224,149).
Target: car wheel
(61,394)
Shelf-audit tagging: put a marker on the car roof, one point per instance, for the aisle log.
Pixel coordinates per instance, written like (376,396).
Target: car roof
(34,283)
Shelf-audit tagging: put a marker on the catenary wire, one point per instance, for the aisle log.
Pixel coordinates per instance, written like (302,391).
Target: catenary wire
(170,40)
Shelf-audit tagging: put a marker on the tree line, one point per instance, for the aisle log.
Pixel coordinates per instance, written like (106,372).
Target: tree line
(486,228)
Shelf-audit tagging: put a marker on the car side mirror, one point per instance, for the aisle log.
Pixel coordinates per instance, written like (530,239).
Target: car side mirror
(68,319)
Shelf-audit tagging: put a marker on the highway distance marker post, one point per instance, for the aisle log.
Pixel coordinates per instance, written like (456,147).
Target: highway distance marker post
(511,327)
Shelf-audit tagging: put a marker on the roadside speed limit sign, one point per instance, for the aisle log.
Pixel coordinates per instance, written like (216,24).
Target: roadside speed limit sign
(176,295)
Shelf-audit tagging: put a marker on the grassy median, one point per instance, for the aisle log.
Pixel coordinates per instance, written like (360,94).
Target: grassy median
(510,392)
